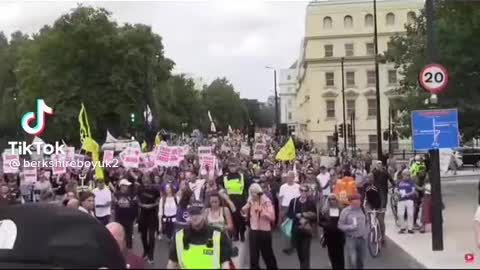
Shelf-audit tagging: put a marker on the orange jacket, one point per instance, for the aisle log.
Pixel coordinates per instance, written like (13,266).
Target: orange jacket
(344,188)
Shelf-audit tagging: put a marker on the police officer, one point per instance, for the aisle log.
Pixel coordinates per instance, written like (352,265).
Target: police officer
(199,246)
(236,185)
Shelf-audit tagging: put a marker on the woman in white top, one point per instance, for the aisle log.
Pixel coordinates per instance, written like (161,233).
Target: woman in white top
(217,215)
(167,211)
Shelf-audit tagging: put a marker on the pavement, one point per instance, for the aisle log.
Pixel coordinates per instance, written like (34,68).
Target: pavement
(392,256)
(467,173)
(460,198)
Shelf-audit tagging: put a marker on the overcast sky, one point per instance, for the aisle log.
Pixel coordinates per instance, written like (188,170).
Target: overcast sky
(207,38)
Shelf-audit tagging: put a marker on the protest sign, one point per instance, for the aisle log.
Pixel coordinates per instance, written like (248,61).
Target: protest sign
(245,150)
(11,162)
(130,157)
(162,154)
(175,156)
(148,160)
(108,156)
(204,151)
(29,175)
(260,151)
(69,153)
(207,164)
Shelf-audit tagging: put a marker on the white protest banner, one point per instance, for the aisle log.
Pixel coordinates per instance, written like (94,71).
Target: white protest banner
(108,156)
(11,162)
(30,175)
(207,164)
(260,151)
(175,156)
(204,151)
(245,150)
(58,167)
(162,154)
(69,153)
(79,159)
(185,150)
(131,157)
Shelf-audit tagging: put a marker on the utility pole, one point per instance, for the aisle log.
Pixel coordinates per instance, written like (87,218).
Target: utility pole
(277,122)
(354,135)
(437,220)
(377,85)
(343,108)
(389,132)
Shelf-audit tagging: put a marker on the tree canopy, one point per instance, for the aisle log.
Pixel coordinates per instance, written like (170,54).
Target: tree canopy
(456,26)
(115,70)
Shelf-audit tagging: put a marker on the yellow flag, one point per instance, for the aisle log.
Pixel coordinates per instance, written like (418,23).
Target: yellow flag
(144,146)
(84,126)
(88,143)
(157,140)
(287,152)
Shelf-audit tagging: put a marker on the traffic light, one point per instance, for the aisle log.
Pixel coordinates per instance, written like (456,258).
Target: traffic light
(335,135)
(385,135)
(340,130)
(349,130)
(132,118)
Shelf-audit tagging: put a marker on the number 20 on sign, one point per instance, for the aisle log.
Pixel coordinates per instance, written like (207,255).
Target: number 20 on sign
(433,78)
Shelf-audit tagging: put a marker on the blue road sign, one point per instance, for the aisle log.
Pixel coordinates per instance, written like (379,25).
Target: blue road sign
(435,129)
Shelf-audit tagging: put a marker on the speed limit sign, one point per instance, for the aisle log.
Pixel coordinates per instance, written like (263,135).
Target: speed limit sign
(433,78)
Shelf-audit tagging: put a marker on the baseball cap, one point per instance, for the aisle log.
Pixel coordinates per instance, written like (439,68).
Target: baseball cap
(51,236)
(124,182)
(195,208)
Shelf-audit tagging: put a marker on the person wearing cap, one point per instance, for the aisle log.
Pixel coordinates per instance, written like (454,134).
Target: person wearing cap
(126,209)
(406,189)
(103,202)
(236,186)
(199,246)
(353,223)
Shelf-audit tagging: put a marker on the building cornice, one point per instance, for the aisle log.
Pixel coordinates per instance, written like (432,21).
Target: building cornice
(353,35)
(329,60)
(359,2)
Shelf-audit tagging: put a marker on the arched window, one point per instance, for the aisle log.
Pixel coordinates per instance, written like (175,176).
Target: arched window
(390,19)
(327,22)
(369,20)
(411,17)
(348,21)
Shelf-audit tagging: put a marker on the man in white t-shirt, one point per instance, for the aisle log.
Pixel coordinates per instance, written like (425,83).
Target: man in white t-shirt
(288,191)
(195,184)
(103,202)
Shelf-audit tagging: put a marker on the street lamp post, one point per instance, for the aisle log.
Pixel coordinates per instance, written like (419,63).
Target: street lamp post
(276,99)
(343,108)
(377,84)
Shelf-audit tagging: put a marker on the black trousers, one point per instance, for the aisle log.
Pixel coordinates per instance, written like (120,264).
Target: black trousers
(418,203)
(128,227)
(104,220)
(261,243)
(168,227)
(148,226)
(239,224)
(302,243)
(335,246)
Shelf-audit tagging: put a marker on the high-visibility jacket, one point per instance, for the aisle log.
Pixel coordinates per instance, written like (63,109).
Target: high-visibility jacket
(344,188)
(198,256)
(234,186)
(417,168)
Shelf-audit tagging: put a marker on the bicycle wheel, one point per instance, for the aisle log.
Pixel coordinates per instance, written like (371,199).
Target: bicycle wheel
(374,242)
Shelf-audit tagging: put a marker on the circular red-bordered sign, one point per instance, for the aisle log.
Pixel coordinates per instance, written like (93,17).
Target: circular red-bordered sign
(433,78)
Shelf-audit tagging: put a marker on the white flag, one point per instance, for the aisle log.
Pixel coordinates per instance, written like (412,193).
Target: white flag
(210,116)
(148,115)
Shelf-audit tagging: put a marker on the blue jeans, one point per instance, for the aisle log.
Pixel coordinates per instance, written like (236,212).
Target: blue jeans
(355,252)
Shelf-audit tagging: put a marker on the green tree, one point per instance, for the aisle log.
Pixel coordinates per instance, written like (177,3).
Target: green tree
(456,26)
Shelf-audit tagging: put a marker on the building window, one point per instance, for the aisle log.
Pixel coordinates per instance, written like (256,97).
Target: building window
(350,78)
(372,143)
(330,108)
(392,76)
(330,142)
(370,49)
(289,77)
(349,49)
(329,78)
(289,116)
(390,19)
(350,107)
(327,22)
(371,80)
(348,21)
(369,20)
(411,16)
(328,50)
(372,107)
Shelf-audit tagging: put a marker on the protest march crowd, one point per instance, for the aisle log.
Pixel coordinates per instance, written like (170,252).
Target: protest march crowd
(203,195)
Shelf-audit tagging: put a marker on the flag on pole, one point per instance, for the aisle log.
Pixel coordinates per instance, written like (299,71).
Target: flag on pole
(212,124)
(148,115)
(230,130)
(149,126)
(88,143)
(287,152)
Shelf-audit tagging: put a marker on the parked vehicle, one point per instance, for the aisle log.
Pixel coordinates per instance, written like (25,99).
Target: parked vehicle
(470,156)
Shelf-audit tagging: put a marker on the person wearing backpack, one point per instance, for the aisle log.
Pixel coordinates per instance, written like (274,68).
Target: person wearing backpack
(167,212)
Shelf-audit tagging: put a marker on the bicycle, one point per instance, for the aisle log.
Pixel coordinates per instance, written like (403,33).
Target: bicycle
(375,233)
(394,198)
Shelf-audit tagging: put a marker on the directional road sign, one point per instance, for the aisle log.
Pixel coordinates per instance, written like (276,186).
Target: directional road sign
(433,78)
(435,129)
